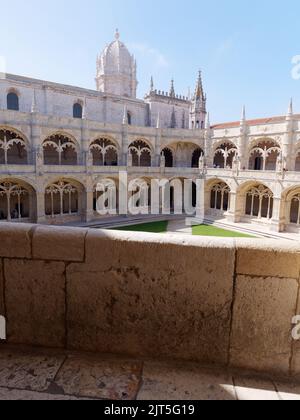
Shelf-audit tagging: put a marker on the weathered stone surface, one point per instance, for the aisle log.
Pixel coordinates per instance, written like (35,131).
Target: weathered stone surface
(295,362)
(261,331)
(249,389)
(173,382)
(288,391)
(7,394)
(28,371)
(35,302)
(2,306)
(268,259)
(94,378)
(15,240)
(59,243)
(140,298)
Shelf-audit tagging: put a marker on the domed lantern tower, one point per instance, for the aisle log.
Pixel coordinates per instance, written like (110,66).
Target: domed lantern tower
(116,70)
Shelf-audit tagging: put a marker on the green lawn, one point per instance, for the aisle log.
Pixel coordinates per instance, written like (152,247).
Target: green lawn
(207,230)
(155,227)
(201,230)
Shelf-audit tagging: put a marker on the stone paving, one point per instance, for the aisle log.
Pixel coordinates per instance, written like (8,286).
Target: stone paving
(37,374)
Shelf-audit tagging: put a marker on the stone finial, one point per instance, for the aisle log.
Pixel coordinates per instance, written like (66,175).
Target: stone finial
(158,121)
(207,122)
(243,117)
(291,108)
(172,89)
(34,104)
(151,85)
(125,116)
(117,35)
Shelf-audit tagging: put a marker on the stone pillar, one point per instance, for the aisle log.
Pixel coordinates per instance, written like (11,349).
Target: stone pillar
(288,141)
(233,215)
(125,146)
(85,143)
(89,205)
(276,222)
(40,207)
(156,160)
(36,157)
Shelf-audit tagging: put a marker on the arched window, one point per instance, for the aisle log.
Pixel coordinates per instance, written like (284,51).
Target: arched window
(263,157)
(129,118)
(141,154)
(77,111)
(14,201)
(59,150)
(219,197)
(224,156)
(104,152)
(61,199)
(168,154)
(259,202)
(13,102)
(295,210)
(13,148)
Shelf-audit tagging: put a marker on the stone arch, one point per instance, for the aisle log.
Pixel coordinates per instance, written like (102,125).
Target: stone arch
(139,193)
(224,154)
(258,201)
(110,187)
(60,149)
(141,153)
(169,157)
(219,197)
(18,201)
(290,209)
(64,199)
(297,160)
(14,148)
(263,154)
(78,109)
(13,100)
(104,151)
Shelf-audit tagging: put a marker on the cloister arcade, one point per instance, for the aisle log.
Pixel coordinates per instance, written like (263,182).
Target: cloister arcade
(72,198)
(263,155)
(13,148)
(60,149)
(224,155)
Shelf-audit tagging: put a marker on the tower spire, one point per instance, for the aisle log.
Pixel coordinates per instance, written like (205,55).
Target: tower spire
(172,90)
(151,85)
(199,94)
(117,34)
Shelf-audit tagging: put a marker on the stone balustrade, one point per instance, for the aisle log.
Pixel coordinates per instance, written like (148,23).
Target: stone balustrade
(217,301)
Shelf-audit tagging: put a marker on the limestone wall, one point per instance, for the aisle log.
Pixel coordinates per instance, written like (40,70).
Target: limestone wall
(220,301)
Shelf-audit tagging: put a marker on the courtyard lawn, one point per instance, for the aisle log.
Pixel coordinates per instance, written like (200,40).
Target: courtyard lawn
(208,230)
(154,227)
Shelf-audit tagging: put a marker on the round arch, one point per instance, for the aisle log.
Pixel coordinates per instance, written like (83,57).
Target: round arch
(60,148)
(64,199)
(14,147)
(18,202)
(104,151)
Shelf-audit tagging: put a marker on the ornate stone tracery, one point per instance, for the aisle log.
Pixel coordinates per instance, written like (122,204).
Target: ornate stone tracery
(61,198)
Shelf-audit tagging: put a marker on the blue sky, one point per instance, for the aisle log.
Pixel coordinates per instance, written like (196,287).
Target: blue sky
(244,48)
